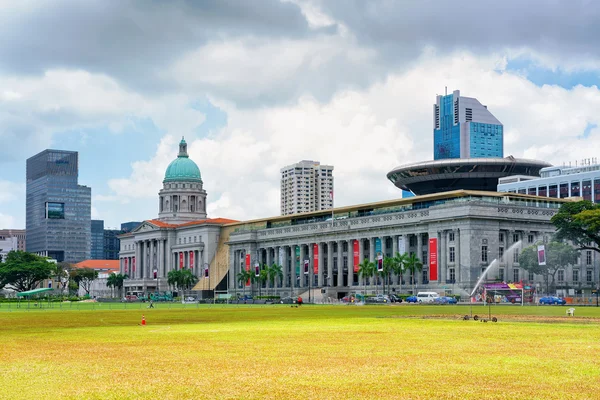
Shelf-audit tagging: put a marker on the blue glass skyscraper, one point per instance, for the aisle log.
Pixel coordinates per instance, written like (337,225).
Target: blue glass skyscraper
(464,128)
(58,209)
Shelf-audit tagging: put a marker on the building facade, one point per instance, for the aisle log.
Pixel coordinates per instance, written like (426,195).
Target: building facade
(181,237)
(7,244)
(306,186)
(465,128)
(558,182)
(111,244)
(19,234)
(58,209)
(456,235)
(129,226)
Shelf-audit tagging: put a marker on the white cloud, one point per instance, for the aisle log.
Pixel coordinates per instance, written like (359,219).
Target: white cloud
(11,191)
(7,221)
(365,134)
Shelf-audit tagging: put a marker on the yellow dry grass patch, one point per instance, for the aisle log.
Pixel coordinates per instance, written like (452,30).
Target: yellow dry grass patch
(286,353)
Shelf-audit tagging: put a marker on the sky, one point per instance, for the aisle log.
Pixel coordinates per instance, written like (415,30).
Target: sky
(254,86)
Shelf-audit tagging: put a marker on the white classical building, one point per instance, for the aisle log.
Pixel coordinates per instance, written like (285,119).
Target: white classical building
(181,237)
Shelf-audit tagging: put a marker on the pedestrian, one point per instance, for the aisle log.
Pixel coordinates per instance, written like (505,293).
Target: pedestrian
(151,304)
(299,300)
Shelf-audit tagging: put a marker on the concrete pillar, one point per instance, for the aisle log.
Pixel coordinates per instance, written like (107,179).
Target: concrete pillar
(269,256)
(320,260)
(340,263)
(383,246)
(372,249)
(350,262)
(330,264)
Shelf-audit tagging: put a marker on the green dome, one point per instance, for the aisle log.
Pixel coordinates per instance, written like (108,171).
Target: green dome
(182,168)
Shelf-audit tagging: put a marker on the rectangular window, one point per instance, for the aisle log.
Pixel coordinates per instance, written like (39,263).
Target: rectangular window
(589,275)
(425,276)
(501,274)
(588,257)
(452,275)
(575,275)
(531,277)
(516,256)
(501,237)
(424,257)
(542,191)
(529,238)
(561,275)
(452,255)
(55,210)
(515,237)
(516,275)
(484,253)
(501,252)
(451,236)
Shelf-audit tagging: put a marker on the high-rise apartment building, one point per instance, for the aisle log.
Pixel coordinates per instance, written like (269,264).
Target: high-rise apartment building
(19,234)
(58,209)
(464,128)
(306,186)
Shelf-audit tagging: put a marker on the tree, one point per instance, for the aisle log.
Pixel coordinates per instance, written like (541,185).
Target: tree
(413,264)
(174,278)
(84,277)
(366,269)
(188,279)
(262,277)
(119,282)
(62,274)
(243,277)
(399,266)
(273,272)
(558,255)
(24,271)
(388,268)
(579,222)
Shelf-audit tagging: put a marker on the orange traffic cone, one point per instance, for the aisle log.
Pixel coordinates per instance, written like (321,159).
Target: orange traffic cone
(143,321)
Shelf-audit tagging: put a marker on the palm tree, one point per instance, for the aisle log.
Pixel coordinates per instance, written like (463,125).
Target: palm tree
(119,282)
(400,266)
(273,272)
(188,279)
(413,264)
(111,282)
(242,277)
(262,277)
(366,269)
(388,268)
(174,278)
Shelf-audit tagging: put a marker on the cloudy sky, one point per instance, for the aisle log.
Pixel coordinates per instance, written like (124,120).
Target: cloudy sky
(257,85)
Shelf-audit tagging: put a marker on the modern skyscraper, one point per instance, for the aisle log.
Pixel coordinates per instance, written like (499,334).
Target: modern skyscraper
(129,226)
(58,209)
(306,186)
(464,128)
(97,246)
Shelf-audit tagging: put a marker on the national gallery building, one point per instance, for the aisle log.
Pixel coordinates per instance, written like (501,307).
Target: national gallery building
(455,234)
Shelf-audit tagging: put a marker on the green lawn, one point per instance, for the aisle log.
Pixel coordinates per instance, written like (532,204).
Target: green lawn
(280,352)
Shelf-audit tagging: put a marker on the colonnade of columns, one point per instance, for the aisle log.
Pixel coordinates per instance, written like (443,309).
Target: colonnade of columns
(151,260)
(332,263)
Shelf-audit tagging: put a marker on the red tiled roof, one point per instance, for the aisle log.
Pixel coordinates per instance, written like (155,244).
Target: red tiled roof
(217,221)
(99,264)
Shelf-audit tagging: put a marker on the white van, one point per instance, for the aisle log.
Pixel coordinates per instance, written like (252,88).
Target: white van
(427,297)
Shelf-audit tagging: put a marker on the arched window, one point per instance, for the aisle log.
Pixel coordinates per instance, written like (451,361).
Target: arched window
(167,205)
(183,205)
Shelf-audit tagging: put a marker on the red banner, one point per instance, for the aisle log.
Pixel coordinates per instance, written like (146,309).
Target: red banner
(248,267)
(181,260)
(315,259)
(126,265)
(356,254)
(133,264)
(191,260)
(433,260)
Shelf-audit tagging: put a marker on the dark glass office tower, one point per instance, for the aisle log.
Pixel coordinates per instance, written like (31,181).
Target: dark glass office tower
(97,239)
(58,209)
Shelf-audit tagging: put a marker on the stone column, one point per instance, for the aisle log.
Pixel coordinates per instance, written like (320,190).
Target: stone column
(444,258)
(284,267)
(321,266)
(460,274)
(139,263)
(350,263)
(294,275)
(311,258)
(361,257)
(340,263)
(383,246)
(372,249)
(394,245)
(330,264)
(269,256)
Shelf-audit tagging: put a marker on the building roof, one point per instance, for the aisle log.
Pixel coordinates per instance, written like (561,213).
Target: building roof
(428,177)
(207,221)
(182,168)
(109,265)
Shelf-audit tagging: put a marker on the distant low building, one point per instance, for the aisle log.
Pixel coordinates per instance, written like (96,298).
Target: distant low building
(17,233)
(104,268)
(7,245)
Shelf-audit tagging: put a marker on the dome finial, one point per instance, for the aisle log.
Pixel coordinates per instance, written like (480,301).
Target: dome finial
(182,148)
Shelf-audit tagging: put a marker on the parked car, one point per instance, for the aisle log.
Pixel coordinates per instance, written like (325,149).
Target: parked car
(394,298)
(412,299)
(427,297)
(445,300)
(382,298)
(552,300)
